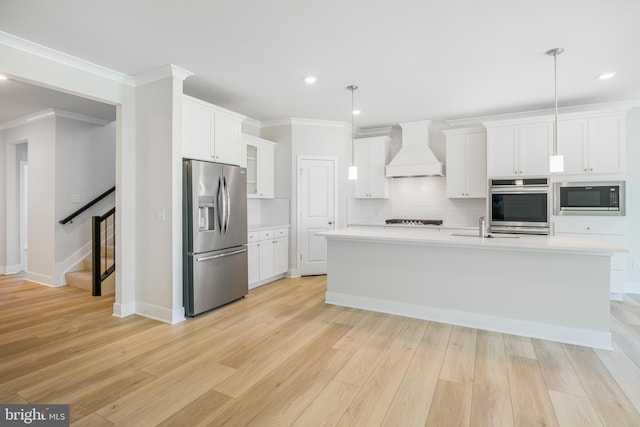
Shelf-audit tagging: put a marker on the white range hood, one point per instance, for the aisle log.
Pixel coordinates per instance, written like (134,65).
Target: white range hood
(415,157)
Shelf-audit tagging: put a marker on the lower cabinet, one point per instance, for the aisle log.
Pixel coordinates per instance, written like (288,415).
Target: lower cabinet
(608,229)
(268,255)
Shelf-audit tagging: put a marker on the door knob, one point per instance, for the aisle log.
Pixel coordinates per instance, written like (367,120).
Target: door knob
(330,223)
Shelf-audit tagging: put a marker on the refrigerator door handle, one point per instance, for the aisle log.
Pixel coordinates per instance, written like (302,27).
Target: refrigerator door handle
(220,205)
(209,258)
(228,205)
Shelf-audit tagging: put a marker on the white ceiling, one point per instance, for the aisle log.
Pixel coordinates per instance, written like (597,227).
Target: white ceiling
(412,59)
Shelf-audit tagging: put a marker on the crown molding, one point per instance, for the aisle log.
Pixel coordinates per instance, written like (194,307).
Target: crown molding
(63,58)
(381,131)
(43,114)
(160,73)
(583,108)
(248,121)
(305,122)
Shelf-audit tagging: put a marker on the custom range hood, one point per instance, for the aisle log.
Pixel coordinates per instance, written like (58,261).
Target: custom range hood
(415,157)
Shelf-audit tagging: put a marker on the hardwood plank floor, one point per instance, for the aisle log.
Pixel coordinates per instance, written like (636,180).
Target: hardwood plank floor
(282,357)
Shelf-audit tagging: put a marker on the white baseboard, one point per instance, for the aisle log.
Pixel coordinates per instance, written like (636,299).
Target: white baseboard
(124,310)
(292,273)
(265,281)
(72,263)
(474,320)
(615,296)
(160,313)
(10,269)
(41,279)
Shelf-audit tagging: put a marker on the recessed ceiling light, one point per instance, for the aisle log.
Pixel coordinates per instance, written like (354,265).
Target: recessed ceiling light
(3,77)
(310,80)
(356,112)
(606,76)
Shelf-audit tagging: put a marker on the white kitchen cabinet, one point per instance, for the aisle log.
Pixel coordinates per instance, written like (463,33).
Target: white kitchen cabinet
(260,155)
(268,256)
(210,133)
(253,261)
(466,163)
(592,144)
(519,149)
(371,155)
(608,229)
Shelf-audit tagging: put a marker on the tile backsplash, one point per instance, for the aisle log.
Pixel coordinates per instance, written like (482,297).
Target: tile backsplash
(417,198)
(268,212)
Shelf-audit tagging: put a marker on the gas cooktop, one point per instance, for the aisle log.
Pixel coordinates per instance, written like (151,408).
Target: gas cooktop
(415,221)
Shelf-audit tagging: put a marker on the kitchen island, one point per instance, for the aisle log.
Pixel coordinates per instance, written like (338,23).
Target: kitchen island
(548,287)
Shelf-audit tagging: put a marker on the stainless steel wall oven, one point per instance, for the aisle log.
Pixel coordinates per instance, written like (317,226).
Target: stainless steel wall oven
(519,206)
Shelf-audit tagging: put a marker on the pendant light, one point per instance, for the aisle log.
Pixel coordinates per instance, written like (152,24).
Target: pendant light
(353,169)
(556,161)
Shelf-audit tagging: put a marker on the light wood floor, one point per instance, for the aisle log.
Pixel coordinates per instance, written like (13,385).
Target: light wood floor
(282,357)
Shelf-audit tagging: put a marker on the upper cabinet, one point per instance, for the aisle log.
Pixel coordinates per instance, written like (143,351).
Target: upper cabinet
(210,133)
(518,149)
(466,163)
(592,145)
(260,158)
(371,155)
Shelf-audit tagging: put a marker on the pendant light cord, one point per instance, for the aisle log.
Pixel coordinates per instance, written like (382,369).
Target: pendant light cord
(555,52)
(352,88)
(555,94)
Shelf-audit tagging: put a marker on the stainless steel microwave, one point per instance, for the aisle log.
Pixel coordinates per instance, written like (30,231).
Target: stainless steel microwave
(589,198)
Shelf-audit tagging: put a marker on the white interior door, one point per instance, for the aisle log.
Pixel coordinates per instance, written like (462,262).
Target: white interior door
(316,198)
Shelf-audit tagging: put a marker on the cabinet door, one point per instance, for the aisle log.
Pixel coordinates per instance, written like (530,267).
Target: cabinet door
(606,145)
(456,166)
(252,170)
(378,184)
(266,259)
(253,261)
(476,165)
(572,144)
(501,151)
(226,140)
(534,148)
(361,161)
(196,131)
(281,256)
(266,172)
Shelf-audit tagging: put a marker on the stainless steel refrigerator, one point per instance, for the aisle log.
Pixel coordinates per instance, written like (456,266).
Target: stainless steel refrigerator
(214,235)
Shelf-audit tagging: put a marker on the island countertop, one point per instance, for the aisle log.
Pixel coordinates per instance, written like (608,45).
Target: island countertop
(470,239)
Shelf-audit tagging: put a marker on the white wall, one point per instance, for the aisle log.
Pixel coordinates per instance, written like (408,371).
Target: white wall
(65,157)
(311,138)
(158,179)
(85,167)
(633,197)
(3,207)
(40,135)
(41,66)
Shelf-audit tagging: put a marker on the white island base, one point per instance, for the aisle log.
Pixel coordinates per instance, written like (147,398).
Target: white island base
(544,289)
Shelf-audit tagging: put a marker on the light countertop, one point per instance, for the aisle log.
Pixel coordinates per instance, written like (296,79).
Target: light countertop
(470,239)
(260,227)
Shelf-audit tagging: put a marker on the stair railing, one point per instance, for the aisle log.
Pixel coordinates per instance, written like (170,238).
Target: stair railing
(87,206)
(102,238)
